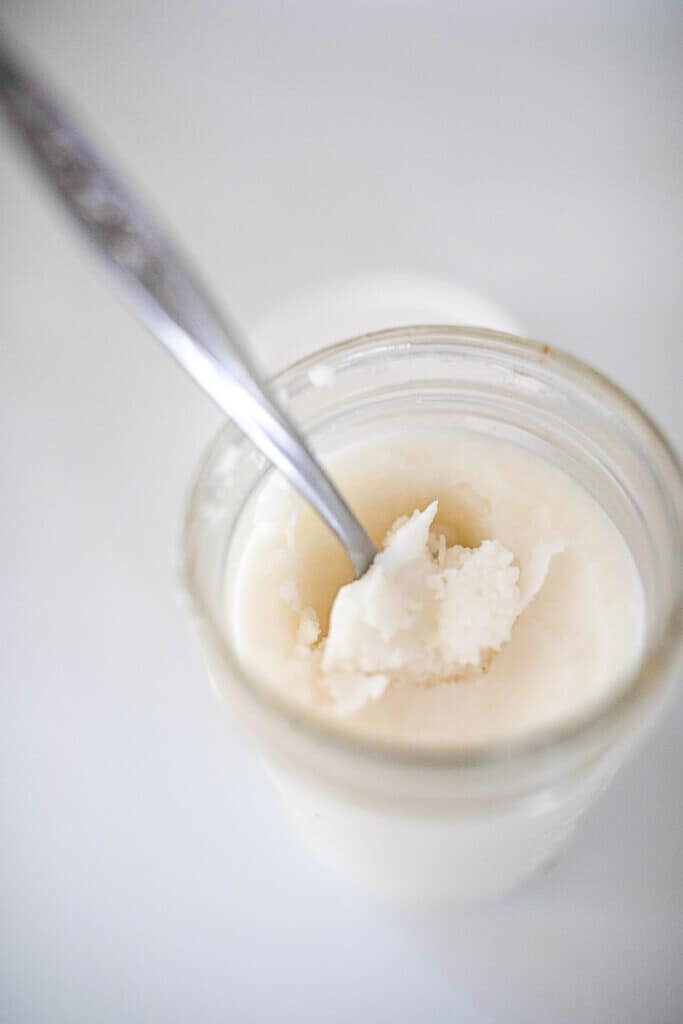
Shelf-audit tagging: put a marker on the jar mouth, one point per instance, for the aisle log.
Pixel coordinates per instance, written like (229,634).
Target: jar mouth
(605,718)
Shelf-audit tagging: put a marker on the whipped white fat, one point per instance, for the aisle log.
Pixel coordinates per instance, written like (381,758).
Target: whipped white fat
(580,630)
(424,613)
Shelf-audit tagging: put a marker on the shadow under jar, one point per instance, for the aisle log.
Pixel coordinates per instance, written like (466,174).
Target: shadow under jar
(450,822)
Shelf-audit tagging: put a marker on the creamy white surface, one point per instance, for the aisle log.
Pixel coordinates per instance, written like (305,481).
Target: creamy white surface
(569,646)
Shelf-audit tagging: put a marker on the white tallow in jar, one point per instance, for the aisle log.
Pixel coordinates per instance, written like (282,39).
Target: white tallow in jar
(458,780)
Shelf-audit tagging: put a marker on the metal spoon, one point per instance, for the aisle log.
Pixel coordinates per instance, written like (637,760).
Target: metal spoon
(173,304)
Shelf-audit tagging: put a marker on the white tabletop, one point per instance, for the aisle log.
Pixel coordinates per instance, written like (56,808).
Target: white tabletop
(532,152)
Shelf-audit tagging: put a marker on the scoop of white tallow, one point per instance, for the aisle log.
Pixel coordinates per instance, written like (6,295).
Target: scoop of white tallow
(424,612)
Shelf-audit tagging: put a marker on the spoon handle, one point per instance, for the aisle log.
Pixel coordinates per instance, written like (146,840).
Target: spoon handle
(165,295)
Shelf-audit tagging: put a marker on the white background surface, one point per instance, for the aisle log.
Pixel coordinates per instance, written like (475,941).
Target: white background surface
(530,151)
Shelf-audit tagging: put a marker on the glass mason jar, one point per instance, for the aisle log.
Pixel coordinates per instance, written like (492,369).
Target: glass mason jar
(448,823)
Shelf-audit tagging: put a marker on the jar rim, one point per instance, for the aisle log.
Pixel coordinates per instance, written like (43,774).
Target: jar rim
(634,690)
